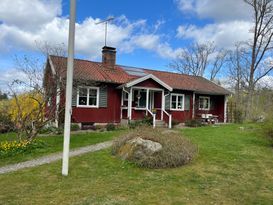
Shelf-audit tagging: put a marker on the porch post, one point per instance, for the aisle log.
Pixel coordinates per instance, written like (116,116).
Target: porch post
(147,101)
(193,105)
(225,108)
(129,112)
(162,104)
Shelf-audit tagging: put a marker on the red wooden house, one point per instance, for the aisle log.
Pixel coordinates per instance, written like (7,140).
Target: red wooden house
(108,93)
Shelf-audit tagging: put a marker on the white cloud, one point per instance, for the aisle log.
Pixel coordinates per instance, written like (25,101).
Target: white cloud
(29,14)
(220,10)
(44,25)
(186,5)
(8,76)
(266,81)
(230,21)
(224,34)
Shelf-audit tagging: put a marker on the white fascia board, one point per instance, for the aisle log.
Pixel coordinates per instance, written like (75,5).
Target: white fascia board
(146,77)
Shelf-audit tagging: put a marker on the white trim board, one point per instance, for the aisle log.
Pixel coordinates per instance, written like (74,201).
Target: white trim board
(146,77)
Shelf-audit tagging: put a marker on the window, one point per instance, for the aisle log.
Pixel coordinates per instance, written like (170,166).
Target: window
(204,103)
(88,97)
(140,98)
(177,101)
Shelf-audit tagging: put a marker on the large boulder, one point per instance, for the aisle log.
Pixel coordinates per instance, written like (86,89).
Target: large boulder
(139,148)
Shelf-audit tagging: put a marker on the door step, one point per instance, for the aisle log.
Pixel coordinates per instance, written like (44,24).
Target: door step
(160,123)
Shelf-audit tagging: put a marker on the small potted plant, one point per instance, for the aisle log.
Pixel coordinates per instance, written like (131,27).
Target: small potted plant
(154,111)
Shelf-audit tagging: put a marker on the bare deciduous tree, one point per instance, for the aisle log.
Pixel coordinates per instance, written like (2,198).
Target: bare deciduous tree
(198,58)
(238,64)
(261,44)
(217,63)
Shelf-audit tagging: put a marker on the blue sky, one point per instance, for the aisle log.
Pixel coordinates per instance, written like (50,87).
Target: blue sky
(146,33)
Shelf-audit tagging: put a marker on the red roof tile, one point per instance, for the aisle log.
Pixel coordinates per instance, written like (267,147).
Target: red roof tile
(89,70)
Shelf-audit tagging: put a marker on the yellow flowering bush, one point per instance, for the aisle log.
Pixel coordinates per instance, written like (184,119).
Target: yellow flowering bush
(26,106)
(8,148)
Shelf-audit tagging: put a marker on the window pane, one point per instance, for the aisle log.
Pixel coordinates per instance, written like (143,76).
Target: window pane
(82,100)
(142,100)
(206,103)
(180,102)
(173,101)
(93,92)
(83,92)
(92,101)
(201,103)
(92,97)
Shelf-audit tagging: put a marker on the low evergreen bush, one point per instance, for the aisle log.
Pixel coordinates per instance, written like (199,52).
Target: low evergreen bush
(110,127)
(75,127)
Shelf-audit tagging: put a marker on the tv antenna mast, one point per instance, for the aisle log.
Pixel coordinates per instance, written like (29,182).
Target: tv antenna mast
(106,21)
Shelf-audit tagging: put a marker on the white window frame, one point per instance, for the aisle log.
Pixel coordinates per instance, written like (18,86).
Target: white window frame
(183,102)
(140,90)
(204,97)
(87,102)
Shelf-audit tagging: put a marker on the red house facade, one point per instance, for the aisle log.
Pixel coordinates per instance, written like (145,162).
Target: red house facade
(109,93)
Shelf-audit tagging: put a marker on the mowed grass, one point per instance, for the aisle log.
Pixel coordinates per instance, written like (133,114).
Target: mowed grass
(54,144)
(234,166)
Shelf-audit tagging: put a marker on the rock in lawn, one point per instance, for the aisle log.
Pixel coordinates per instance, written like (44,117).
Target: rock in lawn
(139,148)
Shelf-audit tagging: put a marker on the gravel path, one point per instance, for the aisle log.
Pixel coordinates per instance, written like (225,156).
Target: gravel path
(54,157)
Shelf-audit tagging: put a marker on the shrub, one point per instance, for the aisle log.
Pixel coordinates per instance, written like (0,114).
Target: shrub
(110,127)
(193,123)
(10,148)
(6,124)
(51,130)
(144,122)
(238,116)
(75,127)
(176,150)
(175,122)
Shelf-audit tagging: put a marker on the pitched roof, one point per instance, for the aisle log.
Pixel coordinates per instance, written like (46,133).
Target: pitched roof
(96,71)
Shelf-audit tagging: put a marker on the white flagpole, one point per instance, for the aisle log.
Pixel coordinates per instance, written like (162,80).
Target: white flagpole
(69,84)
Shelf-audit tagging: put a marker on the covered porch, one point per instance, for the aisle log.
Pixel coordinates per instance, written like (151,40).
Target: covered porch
(145,97)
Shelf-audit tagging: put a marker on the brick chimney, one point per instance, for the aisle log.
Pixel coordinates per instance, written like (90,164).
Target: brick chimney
(109,56)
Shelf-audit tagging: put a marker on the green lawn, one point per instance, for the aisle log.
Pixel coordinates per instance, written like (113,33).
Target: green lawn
(234,166)
(55,144)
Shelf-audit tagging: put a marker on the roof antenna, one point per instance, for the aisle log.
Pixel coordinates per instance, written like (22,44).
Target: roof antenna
(106,24)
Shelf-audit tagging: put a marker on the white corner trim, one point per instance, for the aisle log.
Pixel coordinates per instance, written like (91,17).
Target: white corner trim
(146,77)
(51,65)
